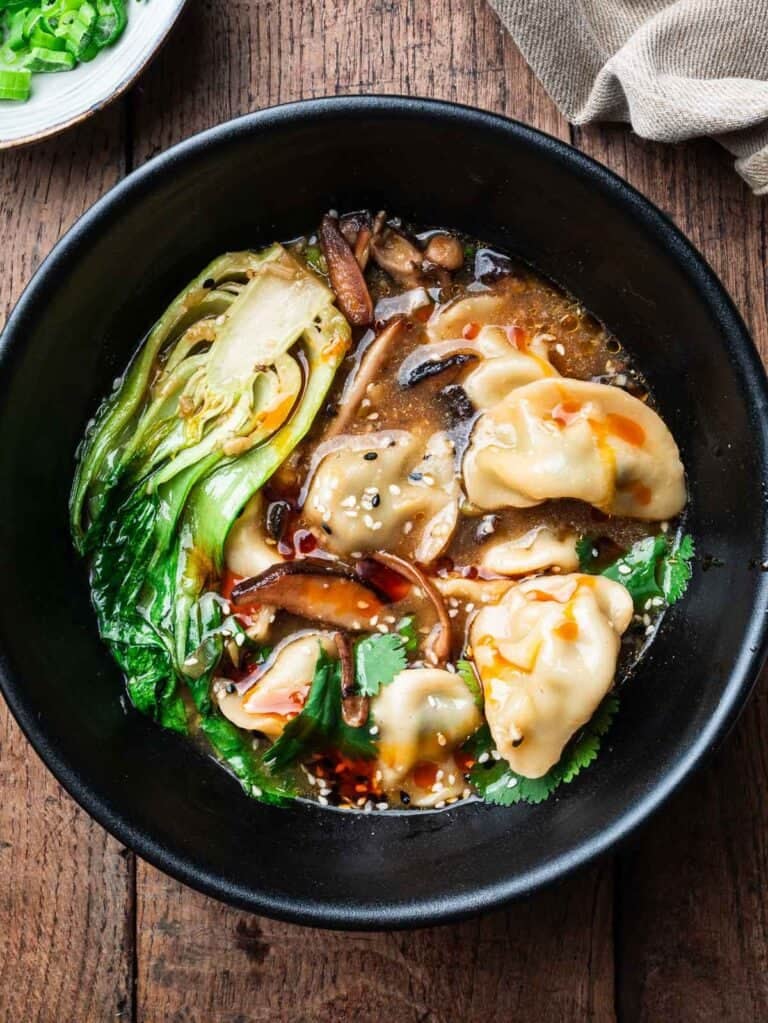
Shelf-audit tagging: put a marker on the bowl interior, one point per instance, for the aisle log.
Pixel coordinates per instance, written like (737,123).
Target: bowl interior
(268,177)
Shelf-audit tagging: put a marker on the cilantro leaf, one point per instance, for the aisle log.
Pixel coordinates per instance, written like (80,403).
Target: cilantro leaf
(676,570)
(378,659)
(497,783)
(585,551)
(653,568)
(406,627)
(319,725)
(468,676)
(636,570)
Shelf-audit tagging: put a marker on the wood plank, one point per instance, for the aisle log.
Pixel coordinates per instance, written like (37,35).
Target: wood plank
(691,905)
(66,887)
(550,959)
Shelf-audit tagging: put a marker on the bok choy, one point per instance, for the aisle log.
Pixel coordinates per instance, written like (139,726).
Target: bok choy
(224,387)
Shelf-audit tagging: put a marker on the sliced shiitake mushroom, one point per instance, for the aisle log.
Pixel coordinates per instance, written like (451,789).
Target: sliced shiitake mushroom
(430,360)
(347,279)
(439,642)
(320,591)
(354,707)
(369,370)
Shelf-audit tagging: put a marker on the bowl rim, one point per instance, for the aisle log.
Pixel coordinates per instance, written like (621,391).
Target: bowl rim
(741,677)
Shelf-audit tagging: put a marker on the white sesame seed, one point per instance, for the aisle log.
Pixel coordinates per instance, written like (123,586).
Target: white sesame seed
(441,739)
(382,627)
(665,527)
(382,806)
(394,489)
(363,604)
(322,801)
(625,570)
(451,779)
(511,783)
(240,638)
(374,620)
(373,730)
(256,791)
(495,754)
(407,527)
(560,348)
(431,700)
(440,804)
(452,612)
(373,416)
(484,758)
(469,607)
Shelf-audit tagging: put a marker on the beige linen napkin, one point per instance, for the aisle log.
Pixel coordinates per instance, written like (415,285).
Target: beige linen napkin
(675,70)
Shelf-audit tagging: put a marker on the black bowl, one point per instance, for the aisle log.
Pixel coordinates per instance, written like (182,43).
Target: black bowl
(267,176)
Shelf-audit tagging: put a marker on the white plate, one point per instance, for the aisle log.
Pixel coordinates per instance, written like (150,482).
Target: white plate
(61,99)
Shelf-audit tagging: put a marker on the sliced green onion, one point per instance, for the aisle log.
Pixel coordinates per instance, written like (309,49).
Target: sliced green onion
(44,60)
(15,84)
(53,35)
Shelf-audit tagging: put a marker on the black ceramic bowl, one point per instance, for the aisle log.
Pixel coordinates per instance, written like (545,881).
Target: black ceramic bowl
(269,176)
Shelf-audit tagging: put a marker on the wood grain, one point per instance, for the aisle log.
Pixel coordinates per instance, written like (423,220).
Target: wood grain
(66,887)
(550,959)
(692,935)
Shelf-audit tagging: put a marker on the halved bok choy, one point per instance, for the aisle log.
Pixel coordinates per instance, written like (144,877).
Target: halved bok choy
(224,387)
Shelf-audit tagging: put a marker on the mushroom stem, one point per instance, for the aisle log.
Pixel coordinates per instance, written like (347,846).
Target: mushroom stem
(438,646)
(354,707)
(368,371)
(345,273)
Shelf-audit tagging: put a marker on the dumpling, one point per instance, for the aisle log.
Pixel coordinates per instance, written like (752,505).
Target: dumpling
(509,361)
(570,438)
(247,552)
(539,549)
(386,490)
(423,715)
(279,688)
(546,656)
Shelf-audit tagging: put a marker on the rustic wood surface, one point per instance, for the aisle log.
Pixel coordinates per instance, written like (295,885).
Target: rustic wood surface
(672,928)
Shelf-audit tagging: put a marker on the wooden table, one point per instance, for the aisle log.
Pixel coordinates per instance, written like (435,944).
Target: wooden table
(673,928)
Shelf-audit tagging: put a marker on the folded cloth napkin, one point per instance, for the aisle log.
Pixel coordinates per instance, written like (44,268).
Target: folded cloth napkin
(674,70)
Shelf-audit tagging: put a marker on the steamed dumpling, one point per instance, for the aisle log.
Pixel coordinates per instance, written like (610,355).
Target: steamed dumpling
(546,656)
(423,715)
(569,438)
(508,362)
(386,490)
(539,549)
(247,552)
(279,689)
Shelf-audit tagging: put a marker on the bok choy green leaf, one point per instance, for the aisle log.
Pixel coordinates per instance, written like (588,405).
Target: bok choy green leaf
(224,387)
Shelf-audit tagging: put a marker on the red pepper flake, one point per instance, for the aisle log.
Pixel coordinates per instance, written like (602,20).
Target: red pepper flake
(470,332)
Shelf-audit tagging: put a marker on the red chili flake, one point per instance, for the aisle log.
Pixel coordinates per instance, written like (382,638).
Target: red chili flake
(470,332)
(304,541)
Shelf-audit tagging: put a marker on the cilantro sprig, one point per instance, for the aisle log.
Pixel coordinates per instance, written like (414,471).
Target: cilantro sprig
(320,726)
(378,658)
(497,783)
(654,569)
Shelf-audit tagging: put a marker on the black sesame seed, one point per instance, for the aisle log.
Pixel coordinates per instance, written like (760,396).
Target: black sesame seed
(375,501)
(415,476)
(209,283)
(517,742)
(370,456)
(326,528)
(405,798)
(231,687)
